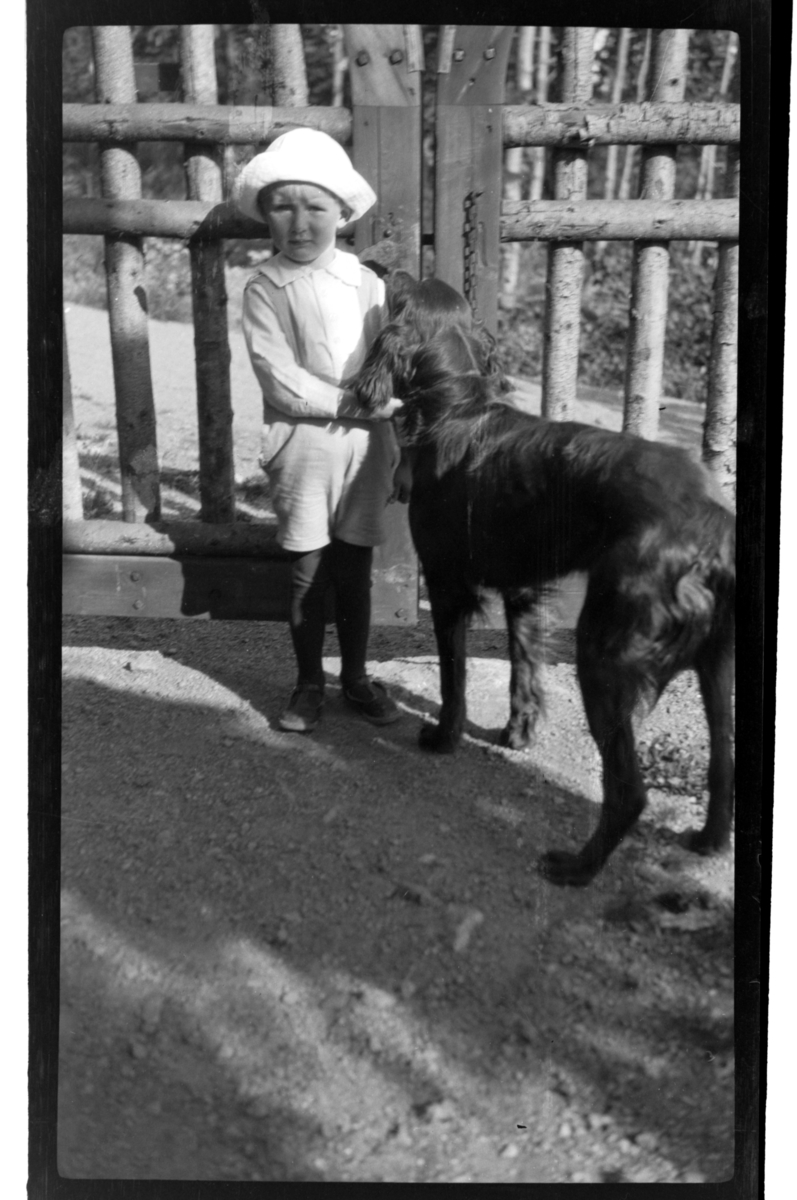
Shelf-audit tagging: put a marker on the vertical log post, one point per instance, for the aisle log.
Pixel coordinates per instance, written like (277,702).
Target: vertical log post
(624,190)
(514,166)
(618,86)
(566,262)
(650,277)
(708,155)
(385,68)
(72,506)
(209,294)
(719,432)
(127,297)
(538,152)
(470,93)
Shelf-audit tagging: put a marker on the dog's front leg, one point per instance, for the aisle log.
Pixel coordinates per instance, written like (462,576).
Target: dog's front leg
(525,656)
(450,613)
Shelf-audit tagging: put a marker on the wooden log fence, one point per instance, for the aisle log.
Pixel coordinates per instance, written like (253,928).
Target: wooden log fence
(473,129)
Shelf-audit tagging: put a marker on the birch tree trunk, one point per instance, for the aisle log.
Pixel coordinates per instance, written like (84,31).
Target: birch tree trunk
(538,153)
(127,295)
(719,433)
(514,170)
(708,154)
(566,261)
(624,190)
(288,82)
(209,294)
(650,280)
(618,86)
(340,64)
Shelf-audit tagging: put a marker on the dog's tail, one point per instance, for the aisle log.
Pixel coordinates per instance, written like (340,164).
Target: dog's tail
(684,599)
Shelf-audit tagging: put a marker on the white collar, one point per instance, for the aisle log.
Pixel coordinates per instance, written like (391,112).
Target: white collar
(282,270)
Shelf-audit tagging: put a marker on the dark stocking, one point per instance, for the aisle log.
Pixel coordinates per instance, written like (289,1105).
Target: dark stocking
(350,567)
(310,578)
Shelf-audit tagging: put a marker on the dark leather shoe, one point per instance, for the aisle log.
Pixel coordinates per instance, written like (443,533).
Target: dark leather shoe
(304,709)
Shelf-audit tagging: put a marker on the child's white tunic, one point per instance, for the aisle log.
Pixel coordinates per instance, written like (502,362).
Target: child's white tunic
(307,328)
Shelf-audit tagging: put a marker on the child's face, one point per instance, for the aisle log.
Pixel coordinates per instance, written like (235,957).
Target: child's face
(303,219)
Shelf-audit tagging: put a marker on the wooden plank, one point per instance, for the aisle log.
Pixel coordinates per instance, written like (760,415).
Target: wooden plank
(468,162)
(241,539)
(385,67)
(386,130)
(224,588)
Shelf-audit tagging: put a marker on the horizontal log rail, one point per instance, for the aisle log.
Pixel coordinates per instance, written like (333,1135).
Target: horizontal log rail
(238,539)
(524,125)
(222,123)
(185,219)
(522,220)
(619,220)
(658,124)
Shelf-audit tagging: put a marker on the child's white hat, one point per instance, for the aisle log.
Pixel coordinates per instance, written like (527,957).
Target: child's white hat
(303,156)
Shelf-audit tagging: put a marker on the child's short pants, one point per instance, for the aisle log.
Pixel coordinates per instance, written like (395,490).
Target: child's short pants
(329,479)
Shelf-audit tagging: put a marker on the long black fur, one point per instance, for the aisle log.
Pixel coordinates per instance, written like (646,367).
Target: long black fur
(505,500)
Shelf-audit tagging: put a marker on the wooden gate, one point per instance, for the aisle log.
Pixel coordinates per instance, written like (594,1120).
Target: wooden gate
(221,568)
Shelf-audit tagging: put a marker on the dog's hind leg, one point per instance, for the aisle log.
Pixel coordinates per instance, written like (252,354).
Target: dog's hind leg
(451,609)
(525,655)
(715,671)
(610,693)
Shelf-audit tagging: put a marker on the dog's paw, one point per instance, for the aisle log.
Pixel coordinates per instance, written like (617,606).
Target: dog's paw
(516,737)
(700,842)
(564,869)
(437,739)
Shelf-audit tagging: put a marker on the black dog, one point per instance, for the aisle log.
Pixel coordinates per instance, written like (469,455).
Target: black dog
(508,501)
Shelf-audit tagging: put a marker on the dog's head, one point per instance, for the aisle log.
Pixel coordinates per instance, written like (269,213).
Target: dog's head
(430,340)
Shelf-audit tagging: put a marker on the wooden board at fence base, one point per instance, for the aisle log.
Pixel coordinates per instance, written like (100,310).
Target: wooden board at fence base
(111,585)
(201,586)
(385,67)
(469,158)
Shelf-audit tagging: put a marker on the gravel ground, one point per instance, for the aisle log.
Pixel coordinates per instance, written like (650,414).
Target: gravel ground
(331,957)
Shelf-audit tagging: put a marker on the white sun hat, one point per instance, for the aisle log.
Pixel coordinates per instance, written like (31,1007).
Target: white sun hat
(303,156)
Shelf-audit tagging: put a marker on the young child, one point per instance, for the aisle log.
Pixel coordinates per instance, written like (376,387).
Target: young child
(309,315)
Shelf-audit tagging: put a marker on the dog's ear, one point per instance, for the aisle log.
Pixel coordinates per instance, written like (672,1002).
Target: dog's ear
(489,359)
(401,292)
(385,369)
